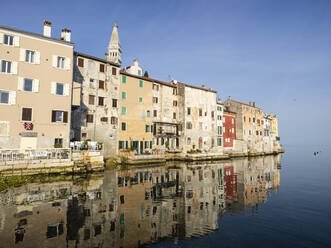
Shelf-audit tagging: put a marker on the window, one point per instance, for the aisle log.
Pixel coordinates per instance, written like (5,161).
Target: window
(59,116)
(200,125)
(257,132)
(113,120)
(155,99)
(123,110)
(148,113)
(58,142)
(188,111)
(123,126)
(148,128)
(101,101)
(156,87)
(140,99)
(101,84)
(8,40)
(219,130)
(91,99)
(244,118)
(26,114)
(123,79)
(113,71)
(104,119)
(84,135)
(200,112)
(102,68)
(154,113)
(174,91)
(253,120)
(232,121)
(29,56)
(219,141)
(4,97)
(91,83)
(122,199)
(6,66)
(89,118)
(141,83)
(232,130)
(249,119)
(59,89)
(114,103)
(212,114)
(174,103)
(188,141)
(80,62)
(27,84)
(174,115)
(60,62)
(123,95)
(189,125)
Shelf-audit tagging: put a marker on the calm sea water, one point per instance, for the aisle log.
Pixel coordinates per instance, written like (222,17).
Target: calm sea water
(268,201)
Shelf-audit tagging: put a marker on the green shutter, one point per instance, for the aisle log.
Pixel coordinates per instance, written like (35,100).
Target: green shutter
(123,110)
(140,99)
(122,218)
(123,79)
(141,83)
(139,72)
(123,95)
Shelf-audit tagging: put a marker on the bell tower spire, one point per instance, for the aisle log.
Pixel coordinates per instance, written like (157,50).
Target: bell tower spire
(114,53)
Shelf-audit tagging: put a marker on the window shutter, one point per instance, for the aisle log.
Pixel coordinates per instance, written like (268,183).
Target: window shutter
(22,54)
(54,61)
(66,89)
(53,88)
(12,97)
(67,64)
(1,38)
(35,87)
(65,117)
(16,41)
(37,58)
(14,68)
(53,115)
(20,83)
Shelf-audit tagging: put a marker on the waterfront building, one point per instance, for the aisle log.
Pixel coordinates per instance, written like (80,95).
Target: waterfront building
(249,125)
(35,90)
(135,122)
(96,90)
(219,123)
(229,135)
(198,115)
(167,124)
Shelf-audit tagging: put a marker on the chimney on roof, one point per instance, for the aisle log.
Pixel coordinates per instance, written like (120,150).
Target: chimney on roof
(229,97)
(66,35)
(254,104)
(203,85)
(219,100)
(47,28)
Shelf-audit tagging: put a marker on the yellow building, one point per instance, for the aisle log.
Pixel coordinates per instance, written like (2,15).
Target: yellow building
(135,113)
(35,88)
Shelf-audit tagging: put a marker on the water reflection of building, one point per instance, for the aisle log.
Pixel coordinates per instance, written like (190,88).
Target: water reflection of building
(134,207)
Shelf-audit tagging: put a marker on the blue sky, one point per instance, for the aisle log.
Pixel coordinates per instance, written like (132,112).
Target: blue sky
(276,52)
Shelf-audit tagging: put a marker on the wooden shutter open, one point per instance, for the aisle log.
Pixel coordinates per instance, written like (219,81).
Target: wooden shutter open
(65,116)
(53,116)
(27,114)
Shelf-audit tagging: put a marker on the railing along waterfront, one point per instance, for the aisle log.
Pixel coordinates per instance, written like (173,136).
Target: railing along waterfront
(15,155)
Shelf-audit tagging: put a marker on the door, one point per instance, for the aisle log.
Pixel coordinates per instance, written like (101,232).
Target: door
(29,143)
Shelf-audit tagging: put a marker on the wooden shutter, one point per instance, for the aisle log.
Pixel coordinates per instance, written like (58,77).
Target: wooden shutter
(101,84)
(35,85)
(37,58)
(14,67)
(53,116)
(66,89)
(16,41)
(102,68)
(53,88)
(22,54)
(20,83)
(54,61)
(67,63)
(12,97)
(80,62)
(27,114)
(114,71)
(65,116)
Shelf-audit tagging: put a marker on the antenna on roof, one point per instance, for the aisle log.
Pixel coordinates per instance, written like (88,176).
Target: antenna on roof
(170,78)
